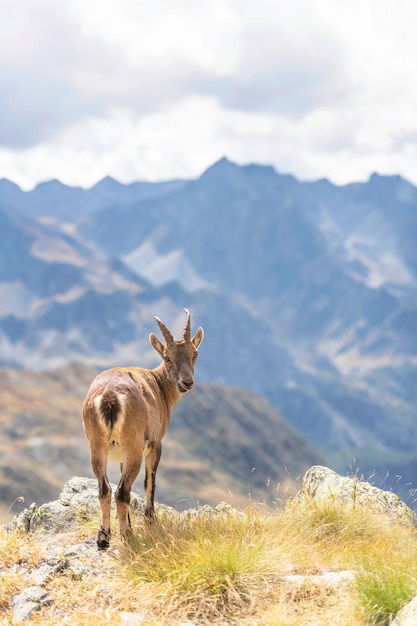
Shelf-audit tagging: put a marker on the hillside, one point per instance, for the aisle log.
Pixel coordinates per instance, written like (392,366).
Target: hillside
(307,293)
(222,444)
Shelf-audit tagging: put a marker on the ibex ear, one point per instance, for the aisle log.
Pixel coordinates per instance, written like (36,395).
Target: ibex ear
(156,344)
(198,337)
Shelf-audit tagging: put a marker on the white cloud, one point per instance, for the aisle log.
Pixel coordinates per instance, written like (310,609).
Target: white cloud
(160,90)
(180,140)
(162,34)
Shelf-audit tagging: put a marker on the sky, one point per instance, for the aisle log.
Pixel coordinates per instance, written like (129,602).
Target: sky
(158,90)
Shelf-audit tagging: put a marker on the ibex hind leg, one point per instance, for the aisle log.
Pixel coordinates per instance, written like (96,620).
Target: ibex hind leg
(122,495)
(151,465)
(104,497)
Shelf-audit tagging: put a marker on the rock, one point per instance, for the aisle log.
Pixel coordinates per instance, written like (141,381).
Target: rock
(408,615)
(328,579)
(30,600)
(22,520)
(80,492)
(322,483)
(127,618)
(51,517)
(46,571)
(78,499)
(24,611)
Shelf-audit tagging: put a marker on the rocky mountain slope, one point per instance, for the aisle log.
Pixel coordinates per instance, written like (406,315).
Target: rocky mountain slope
(307,292)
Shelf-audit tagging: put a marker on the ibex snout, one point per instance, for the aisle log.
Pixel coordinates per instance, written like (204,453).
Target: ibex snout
(185,385)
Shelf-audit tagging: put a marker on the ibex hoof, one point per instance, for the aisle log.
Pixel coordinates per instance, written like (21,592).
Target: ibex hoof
(149,515)
(103,540)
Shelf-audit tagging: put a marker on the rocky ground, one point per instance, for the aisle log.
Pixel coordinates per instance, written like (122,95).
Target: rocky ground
(68,571)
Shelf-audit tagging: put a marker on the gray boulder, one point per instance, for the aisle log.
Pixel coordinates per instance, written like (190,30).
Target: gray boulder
(78,499)
(322,483)
(30,600)
(408,615)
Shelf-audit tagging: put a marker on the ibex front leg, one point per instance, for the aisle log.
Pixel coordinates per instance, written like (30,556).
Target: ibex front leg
(151,465)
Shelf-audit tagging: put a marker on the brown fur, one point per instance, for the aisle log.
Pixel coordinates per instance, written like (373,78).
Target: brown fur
(126,414)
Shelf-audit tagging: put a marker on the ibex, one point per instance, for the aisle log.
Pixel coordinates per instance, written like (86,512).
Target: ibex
(126,414)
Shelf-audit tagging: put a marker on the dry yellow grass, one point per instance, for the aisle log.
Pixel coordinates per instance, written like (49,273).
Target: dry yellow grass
(16,551)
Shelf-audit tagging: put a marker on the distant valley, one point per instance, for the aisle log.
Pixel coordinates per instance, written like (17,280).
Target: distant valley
(307,293)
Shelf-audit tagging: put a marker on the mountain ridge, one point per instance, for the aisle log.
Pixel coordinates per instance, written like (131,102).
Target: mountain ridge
(307,290)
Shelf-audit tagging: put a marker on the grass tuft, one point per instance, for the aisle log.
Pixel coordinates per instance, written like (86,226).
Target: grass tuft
(207,565)
(387,576)
(382,593)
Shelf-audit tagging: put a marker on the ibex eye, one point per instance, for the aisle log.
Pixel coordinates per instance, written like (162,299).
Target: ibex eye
(167,359)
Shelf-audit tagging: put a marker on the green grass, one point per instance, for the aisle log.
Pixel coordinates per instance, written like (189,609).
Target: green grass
(381,592)
(387,576)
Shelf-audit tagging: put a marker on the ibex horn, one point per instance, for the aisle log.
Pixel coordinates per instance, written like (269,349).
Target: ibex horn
(187,329)
(164,330)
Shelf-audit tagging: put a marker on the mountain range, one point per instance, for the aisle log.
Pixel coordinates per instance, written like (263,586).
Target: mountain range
(307,292)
